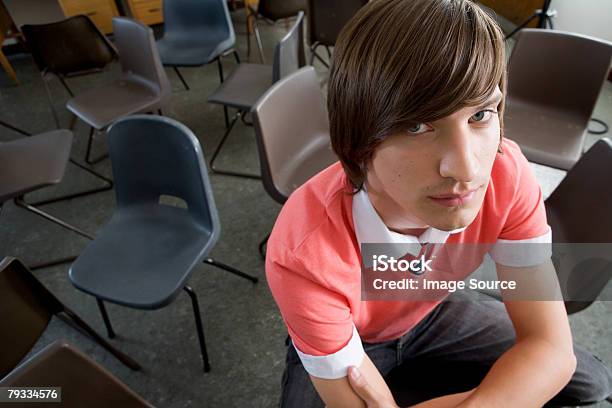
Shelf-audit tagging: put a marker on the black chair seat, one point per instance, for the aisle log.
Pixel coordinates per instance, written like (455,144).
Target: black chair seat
(143,257)
(245,85)
(30,163)
(101,106)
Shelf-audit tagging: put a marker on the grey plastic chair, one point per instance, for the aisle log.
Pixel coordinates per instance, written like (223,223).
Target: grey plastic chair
(554,80)
(142,86)
(164,226)
(271,10)
(292,130)
(32,163)
(248,82)
(83,381)
(196,33)
(325,21)
(26,308)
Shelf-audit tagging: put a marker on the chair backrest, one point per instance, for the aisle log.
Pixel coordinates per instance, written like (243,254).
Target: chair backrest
(138,55)
(578,212)
(579,209)
(277,9)
(559,70)
(327,18)
(205,19)
(26,307)
(292,129)
(155,156)
(68,46)
(289,52)
(85,382)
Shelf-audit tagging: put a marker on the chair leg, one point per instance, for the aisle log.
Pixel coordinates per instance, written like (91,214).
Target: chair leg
(258,39)
(107,322)
(263,243)
(88,158)
(218,150)
(19,202)
(199,326)
(178,73)
(74,320)
(313,54)
(231,269)
(8,67)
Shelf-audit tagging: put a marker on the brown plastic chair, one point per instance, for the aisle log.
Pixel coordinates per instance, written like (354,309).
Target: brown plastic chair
(8,30)
(292,130)
(325,21)
(271,10)
(554,81)
(68,48)
(578,212)
(248,82)
(32,163)
(142,86)
(83,382)
(27,307)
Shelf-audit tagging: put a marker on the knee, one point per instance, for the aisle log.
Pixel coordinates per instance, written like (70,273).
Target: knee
(591,382)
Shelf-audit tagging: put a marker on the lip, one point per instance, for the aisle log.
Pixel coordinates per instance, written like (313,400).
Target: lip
(454,199)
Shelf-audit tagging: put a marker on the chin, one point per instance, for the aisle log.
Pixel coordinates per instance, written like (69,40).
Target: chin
(458,218)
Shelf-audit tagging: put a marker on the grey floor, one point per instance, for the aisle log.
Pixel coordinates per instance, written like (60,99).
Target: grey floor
(245,334)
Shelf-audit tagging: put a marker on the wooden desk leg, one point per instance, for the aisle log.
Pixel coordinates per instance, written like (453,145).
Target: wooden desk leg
(8,67)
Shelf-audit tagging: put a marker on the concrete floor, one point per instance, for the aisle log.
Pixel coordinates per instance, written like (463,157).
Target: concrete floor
(245,334)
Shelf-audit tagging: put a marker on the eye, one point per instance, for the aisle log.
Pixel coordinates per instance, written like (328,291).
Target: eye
(482,116)
(418,129)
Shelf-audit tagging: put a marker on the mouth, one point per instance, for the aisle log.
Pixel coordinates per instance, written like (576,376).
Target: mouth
(454,199)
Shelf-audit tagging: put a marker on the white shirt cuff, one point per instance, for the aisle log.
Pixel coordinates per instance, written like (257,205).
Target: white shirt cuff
(333,366)
(523,252)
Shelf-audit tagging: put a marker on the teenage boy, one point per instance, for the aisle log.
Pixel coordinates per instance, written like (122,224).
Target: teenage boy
(416,99)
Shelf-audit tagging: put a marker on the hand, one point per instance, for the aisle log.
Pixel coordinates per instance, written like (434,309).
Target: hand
(369,395)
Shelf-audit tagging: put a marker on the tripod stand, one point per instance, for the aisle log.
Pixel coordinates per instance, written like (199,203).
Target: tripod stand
(544,14)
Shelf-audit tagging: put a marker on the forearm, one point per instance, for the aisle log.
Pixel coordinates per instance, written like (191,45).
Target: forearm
(447,401)
(528,375)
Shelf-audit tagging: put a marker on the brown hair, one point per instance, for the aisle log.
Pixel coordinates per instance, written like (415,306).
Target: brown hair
(398,63)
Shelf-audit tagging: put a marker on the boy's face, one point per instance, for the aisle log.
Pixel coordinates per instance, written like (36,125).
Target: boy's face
(436,174)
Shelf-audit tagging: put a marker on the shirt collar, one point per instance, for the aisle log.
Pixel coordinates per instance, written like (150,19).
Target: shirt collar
(370,228)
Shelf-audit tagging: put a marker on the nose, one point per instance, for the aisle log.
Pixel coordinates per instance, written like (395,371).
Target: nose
(459,159)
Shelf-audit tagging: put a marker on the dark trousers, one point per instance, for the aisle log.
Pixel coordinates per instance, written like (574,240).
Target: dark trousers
(449,351)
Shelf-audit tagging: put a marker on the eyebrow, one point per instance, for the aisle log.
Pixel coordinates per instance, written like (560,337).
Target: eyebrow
(496,98)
